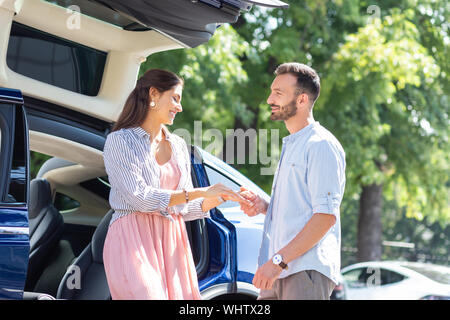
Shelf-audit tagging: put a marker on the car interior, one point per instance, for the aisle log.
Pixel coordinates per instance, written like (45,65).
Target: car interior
(69,209)
(61,239)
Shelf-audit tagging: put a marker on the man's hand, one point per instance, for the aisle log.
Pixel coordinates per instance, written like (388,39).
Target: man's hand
(255,204)
(266,275)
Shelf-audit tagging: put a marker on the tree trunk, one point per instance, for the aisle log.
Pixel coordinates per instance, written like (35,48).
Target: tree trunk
(369,223)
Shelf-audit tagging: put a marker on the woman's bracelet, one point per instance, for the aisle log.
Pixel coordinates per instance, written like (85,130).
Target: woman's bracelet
(186,195)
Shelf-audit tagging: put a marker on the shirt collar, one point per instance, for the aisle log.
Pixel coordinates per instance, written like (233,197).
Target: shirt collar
(142,133)
(301,132)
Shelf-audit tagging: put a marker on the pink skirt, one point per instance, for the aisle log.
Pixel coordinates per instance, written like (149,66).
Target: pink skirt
(146,256)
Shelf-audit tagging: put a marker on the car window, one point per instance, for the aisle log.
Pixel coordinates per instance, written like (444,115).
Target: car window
(56,61)
(99,186)
(64,203)
(217,177)
(16,189)
(356,278)
(389,277)
(9,197)
(436,273)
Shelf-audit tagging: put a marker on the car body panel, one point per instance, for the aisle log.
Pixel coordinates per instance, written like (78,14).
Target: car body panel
(231,172)
(248,229)
(14,231)
(221,236)
(413,286)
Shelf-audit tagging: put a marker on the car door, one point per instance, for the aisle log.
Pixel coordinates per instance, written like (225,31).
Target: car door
(222,261)
(14,182)
(247,231)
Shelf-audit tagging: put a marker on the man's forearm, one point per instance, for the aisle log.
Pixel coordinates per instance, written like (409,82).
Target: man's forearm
(308,237)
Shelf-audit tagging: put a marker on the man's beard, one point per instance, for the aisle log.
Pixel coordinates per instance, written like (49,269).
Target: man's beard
(285,112)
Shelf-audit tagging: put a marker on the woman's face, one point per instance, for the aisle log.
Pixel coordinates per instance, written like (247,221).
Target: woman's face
(167,104)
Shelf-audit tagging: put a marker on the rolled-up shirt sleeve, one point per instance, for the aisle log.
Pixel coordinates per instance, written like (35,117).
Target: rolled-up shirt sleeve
(125,174)
(326,178)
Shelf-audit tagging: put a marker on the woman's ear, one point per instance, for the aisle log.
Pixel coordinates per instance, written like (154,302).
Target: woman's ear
(153,94)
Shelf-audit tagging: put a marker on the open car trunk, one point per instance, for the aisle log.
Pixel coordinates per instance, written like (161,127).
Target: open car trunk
(191,22)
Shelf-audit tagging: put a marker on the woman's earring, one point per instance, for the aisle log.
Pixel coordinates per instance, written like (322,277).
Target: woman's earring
(152,104)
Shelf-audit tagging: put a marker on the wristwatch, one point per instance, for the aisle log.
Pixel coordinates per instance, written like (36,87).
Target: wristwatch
(278,260)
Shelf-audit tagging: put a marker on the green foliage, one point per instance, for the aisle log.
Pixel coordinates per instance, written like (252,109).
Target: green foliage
(379,86)
(212,75)
(36,161)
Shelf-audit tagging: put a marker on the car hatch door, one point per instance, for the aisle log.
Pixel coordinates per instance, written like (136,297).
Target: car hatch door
(268,3)
(14,187)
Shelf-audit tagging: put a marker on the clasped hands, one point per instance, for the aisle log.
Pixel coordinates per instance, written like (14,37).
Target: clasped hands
(251,203)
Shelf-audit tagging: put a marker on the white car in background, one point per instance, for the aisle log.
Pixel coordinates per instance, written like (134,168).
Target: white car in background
(397,280)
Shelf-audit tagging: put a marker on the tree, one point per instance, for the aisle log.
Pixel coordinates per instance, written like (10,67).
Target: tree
(383,88)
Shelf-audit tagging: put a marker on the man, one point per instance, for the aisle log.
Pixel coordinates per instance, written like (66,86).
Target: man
(300,251)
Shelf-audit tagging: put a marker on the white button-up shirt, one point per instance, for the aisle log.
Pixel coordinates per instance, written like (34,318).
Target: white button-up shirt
(310,179)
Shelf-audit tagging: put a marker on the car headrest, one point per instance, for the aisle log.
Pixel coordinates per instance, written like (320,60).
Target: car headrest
(40,197)
(98,239)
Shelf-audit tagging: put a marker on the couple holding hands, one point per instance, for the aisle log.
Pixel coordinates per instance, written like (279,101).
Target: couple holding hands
(147,253)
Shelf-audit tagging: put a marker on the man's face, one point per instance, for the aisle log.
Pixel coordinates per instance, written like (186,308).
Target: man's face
(282,99)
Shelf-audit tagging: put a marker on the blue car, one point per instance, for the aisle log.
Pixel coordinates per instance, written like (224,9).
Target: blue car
(64,77)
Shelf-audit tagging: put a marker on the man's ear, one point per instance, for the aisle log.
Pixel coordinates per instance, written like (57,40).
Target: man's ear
(303,99)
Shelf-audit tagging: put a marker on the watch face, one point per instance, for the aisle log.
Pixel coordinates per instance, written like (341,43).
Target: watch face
(277,259)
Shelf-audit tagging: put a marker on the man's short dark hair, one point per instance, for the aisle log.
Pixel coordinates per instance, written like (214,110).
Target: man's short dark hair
(308,80)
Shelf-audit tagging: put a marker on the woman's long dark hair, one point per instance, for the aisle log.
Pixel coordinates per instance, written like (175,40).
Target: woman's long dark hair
(136,106)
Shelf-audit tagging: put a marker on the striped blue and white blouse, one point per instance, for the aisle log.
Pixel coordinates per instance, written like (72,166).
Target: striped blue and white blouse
(134,175)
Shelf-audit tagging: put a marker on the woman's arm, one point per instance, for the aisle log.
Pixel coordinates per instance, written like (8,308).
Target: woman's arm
(210,194)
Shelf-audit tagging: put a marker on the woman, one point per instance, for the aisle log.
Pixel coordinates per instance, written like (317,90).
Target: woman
(147,253)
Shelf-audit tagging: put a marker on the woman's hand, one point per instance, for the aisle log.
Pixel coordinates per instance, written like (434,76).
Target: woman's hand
(219,190)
